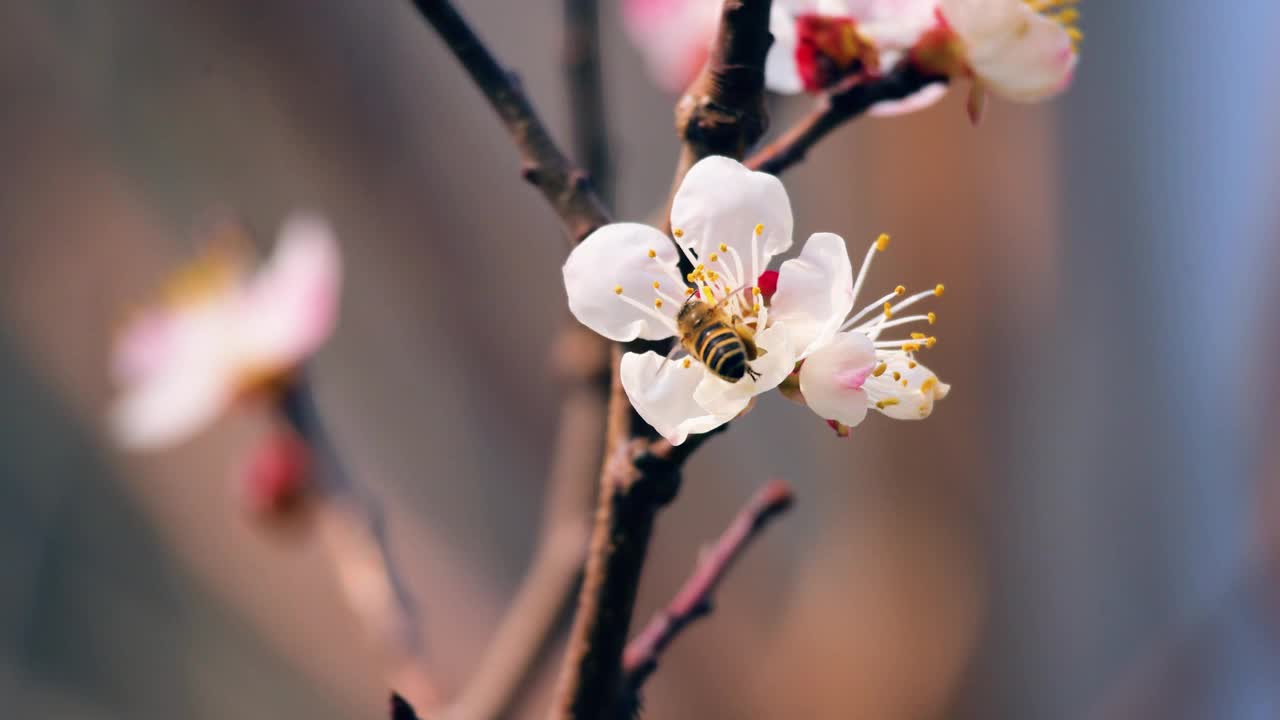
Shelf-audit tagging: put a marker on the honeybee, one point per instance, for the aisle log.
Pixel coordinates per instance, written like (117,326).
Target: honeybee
(722,343)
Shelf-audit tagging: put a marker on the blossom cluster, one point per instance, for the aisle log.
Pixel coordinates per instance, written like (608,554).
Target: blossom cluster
(1022,50)
(803,321)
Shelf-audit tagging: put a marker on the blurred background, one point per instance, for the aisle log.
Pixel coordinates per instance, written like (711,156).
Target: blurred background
(1082,529)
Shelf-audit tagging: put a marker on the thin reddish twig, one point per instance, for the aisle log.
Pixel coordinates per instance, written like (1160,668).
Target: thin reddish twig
(694,599)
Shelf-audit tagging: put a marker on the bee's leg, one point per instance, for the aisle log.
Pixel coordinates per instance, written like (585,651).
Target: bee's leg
(676,349)
(748,337)
(752,373)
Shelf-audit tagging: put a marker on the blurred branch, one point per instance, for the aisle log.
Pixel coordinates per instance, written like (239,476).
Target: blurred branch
(694,600)
(373,585)
(835,110)
(581,360)
(567,188)
(722,112)
(585,84)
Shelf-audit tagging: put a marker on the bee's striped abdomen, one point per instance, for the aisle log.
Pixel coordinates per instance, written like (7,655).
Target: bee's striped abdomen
(722,351)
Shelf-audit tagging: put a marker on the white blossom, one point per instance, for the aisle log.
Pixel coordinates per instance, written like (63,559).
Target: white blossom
(848,368)
(623,281)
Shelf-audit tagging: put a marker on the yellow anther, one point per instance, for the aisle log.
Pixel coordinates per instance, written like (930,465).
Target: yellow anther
(911,364)
(932,318)
(713,275)
(759,229)
(724,248)
(686,362)
(1068,16)
(714,257)
(897,375)
(1075,34)
(756,308)
(688,291)
(755,291)
(930,342)
(904,383)
(918,336)
(939,289)
(677,232)
(887,402)
(653,253)
(617,289)
(656,284)
(657,302)
(888,310)
(882,242)
(928,384)
(900,290)
(879,370)
(910,347)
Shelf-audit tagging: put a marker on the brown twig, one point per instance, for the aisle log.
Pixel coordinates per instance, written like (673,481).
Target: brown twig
(567,188)
(360,546)
(695,597)
(721,113)
(585,84)
(835,110)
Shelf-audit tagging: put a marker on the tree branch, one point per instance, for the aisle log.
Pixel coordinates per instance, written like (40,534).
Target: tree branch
(565,187)
(585,84)
(694,599)
(581,361)
(721,113)
(835,110)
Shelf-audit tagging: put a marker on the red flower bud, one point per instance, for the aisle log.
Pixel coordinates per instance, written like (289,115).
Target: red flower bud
(275,477)
(841,430)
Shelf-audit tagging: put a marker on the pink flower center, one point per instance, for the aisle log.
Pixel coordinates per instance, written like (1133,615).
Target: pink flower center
(854,378)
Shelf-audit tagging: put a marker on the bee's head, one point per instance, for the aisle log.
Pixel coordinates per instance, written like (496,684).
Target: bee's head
(693,311)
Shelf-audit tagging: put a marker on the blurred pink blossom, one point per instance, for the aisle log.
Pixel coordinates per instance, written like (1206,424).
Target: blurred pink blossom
(223,333)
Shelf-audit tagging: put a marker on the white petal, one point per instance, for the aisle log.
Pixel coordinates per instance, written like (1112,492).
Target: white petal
(893,24)
(618,255)
(781,74)
(169,409)
(721,201)
(774,365)
(815,292)
(185,389)
(145,345)
(1017,52)
(833,378)
(919,100)
(913,401)
(662,393)
(290,307)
